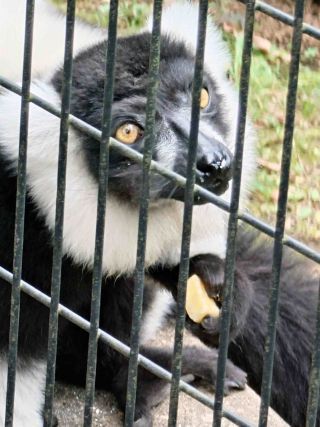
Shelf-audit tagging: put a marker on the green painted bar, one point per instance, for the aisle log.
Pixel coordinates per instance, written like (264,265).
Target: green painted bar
(58,234)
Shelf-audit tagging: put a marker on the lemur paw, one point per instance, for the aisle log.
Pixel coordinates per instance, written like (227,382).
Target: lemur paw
(235,378)
(144,421)
(202,363)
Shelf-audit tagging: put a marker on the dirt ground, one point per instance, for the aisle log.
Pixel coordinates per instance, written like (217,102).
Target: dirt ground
(273,30)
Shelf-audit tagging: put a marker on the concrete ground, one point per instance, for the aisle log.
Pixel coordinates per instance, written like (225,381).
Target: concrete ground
(69,410)
(69,404)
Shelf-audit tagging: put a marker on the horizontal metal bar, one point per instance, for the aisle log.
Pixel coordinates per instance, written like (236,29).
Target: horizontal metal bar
(291,242)
(120,347)
(178,179)
(279,15)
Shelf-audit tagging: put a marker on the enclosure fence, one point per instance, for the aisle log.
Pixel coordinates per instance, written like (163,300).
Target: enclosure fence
(235,214)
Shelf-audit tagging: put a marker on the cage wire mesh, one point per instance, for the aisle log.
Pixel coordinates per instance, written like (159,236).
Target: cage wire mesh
(107,142)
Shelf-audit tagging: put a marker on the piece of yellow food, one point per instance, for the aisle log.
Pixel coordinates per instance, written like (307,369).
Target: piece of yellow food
(198,303)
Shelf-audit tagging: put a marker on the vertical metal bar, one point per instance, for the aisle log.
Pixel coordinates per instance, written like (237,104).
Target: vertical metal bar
(20,214)
(59,216)
(154,59)
(281,212)
(234,206)
(187,215)
(313,399)
(101,211)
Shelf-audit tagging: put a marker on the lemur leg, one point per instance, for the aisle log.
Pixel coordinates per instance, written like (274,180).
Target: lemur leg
(200,363)
(29,392)
(150,392)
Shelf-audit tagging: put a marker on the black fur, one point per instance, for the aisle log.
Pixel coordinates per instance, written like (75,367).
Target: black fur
(173,110)
(295,325)
(298,298)
(116,313)
(172,118)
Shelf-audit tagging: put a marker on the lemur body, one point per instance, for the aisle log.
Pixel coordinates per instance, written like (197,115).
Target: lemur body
(216,146)
(166,208)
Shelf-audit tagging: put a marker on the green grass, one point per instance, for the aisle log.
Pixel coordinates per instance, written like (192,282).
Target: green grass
(132,14)
(267,101)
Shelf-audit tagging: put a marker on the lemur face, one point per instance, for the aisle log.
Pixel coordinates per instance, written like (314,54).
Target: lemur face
(173,113)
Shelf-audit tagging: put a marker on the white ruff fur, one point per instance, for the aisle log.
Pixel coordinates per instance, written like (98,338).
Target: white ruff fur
(48,38)
(165,221)
(29,394)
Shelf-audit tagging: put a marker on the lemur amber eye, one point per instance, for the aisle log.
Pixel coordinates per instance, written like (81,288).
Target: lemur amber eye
(204,98)
(128,133)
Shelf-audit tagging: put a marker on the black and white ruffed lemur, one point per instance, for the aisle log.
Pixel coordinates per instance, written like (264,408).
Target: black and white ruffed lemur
(207,253)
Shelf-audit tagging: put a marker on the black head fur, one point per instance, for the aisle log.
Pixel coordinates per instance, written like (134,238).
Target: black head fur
(173,111)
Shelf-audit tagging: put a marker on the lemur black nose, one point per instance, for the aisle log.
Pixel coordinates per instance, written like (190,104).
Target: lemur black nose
(214,168)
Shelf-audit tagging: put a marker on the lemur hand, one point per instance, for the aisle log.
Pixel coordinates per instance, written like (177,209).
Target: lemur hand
(210,269)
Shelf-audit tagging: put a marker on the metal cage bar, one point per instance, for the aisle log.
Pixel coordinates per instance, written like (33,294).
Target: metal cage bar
(281,213)
(20,214)
(187,214)
(60,199)
(234,206)
(101,211)
(154,61)
(103,137)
